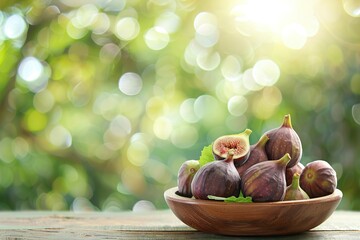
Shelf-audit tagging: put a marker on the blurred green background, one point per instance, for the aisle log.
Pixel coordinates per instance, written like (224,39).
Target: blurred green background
(102,101)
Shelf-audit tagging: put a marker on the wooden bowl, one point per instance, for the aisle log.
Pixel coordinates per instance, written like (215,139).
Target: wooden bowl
(252,219)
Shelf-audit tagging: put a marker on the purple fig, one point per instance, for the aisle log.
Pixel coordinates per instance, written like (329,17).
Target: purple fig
(217,178)
(265,181)
(185,176)
(283,140)
(318,179)
(294,191)
(257,154)
(238,142)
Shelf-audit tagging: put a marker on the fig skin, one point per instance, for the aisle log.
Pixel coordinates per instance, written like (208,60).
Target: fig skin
(257,154)
(265,181)
(283,140)
(185,176)
(238,142)
(298,168)
(294,191)
(318,179)
(217,178)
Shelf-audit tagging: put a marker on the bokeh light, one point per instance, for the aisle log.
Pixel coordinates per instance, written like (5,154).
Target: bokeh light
(237,105)
(102,101)
(30,69)
(138,153)
(206,28)
(157,38)
(208,60)
(231,68)
(127,28)
(249,80)
(266,72)
(143,206)
(35,121)
(101,23)
(60,137)
(168,21)
(43,101)
(14,26)
(130,83)
(162,128)
(20,147)
(85,16)
(33,74)
(187,111)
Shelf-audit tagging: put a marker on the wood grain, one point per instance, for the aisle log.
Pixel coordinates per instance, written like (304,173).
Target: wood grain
(159,224)
(252,219)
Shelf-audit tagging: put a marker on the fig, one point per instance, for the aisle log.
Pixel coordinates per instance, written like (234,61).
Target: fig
(294,191)
(318,179)
(238,142)
(257,154)
(283,140)
(185,176)
(265,181)
(298,168)
(218,178)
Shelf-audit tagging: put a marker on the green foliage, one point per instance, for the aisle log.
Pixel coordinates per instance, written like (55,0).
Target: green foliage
(239,199)
(102,102)
(206,155)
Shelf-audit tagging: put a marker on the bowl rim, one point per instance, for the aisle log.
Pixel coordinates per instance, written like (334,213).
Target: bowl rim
(170,194)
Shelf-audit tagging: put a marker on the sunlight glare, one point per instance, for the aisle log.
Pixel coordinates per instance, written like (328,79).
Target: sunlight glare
(352,7)
(293,21)
(264,13)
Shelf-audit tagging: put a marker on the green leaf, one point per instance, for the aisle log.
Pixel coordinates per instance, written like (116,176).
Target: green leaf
(241,198)
(206,155)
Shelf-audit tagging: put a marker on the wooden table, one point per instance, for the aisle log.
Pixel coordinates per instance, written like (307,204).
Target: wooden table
(161,224)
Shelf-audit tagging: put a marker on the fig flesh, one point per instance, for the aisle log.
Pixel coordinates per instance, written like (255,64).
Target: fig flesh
(298,168)
(239,143)
(294,191)
(283,140)
(218,178)
(318,179)
(265,181)
(185,176)
(257,154)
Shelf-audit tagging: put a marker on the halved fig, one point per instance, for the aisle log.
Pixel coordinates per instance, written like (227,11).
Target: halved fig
(238,142)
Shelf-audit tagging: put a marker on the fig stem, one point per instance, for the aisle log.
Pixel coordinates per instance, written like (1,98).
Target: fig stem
(287,121)
(295,181)
(248,131)
(285,159)
(263,140)
(230,155)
